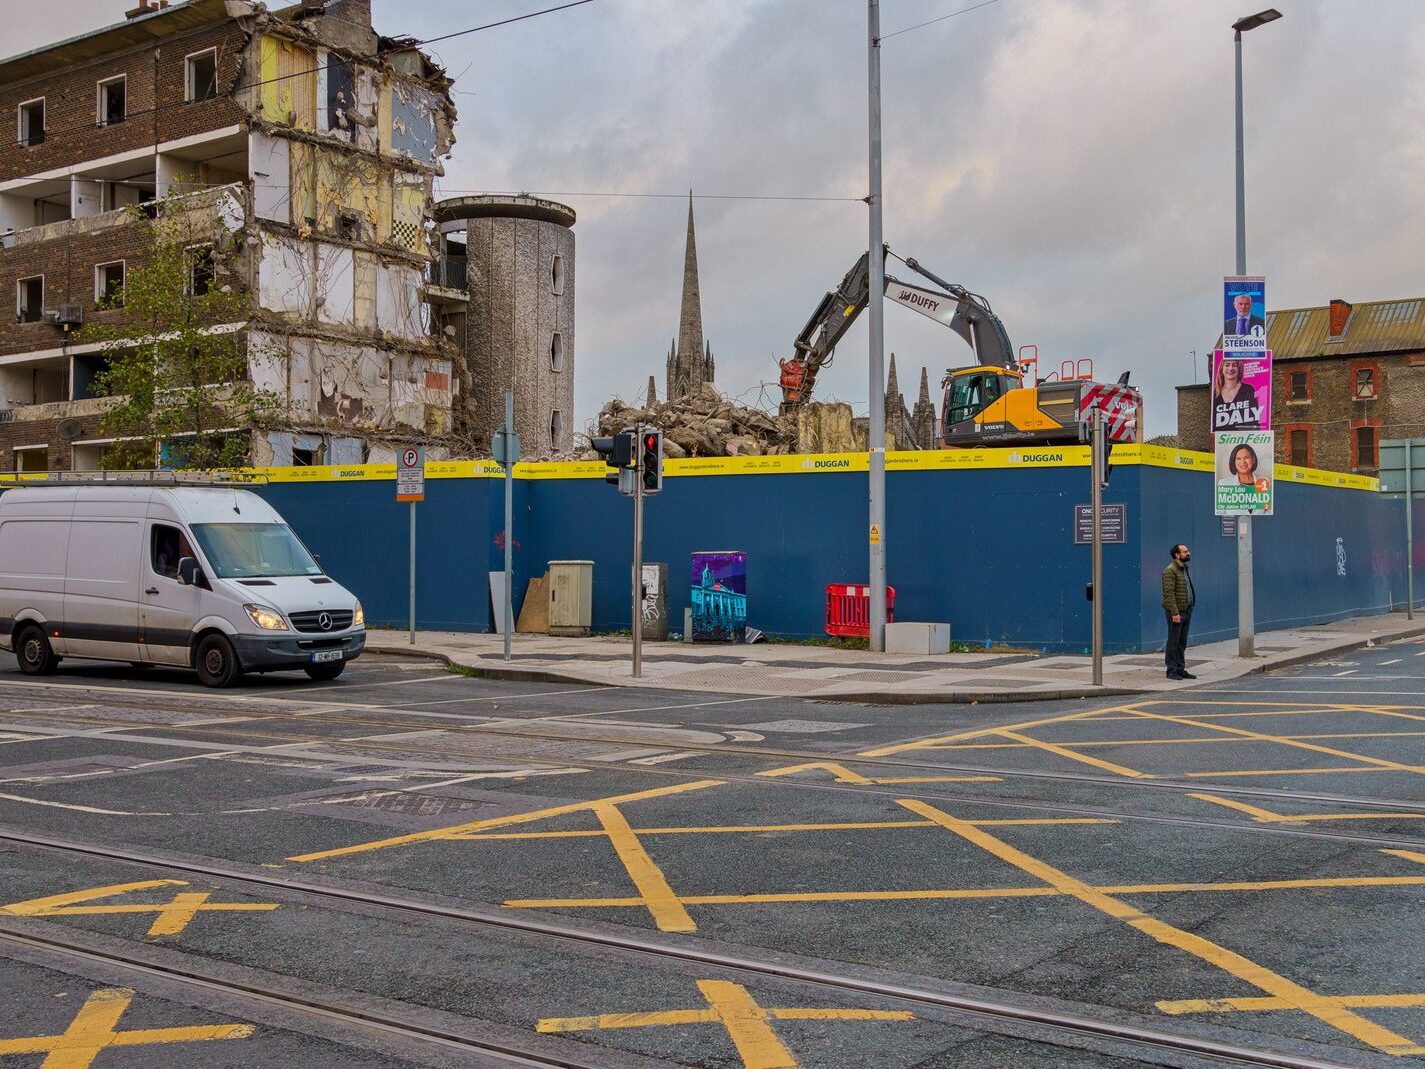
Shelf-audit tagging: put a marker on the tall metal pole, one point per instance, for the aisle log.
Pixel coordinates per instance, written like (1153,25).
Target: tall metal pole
(1246,609)
(1409,538)
(877,423)
(412,577)
(509,607)
(637,598)
(1096,506)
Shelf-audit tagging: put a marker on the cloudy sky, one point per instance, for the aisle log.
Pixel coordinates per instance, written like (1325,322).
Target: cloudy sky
(1070,159)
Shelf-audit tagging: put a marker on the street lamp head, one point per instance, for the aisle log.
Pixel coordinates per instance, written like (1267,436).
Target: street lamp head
(1261,18)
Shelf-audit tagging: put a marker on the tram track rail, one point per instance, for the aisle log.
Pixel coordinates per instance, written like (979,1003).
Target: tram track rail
(1002,1016)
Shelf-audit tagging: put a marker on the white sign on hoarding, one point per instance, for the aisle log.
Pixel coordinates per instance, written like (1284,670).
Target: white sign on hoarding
(1245,472)
(411,474)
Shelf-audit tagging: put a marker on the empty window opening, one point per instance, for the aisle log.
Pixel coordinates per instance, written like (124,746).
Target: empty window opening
(556,352)
(30,299)
(201,77)
(32,122)
(307,457)
(556,276)
(1300,388)
(1300,449)
(200,270)
(1365,446)
(109,285)
(556,429)
(348,226)
(113,101)
(32,458)
(1365,383)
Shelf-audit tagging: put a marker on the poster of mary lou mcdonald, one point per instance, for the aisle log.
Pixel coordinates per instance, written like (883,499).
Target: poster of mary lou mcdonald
(1245,472)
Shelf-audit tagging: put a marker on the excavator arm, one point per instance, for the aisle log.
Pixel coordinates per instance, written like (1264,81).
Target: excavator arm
(966,313)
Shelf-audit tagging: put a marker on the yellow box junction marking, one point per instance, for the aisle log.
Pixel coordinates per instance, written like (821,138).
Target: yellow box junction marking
(842,774)
(95,1027)
(1266,816)
(172,916)
(747,1024)
(1325,1009)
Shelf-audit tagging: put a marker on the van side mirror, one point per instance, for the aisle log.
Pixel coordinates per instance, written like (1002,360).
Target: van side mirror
(188,571)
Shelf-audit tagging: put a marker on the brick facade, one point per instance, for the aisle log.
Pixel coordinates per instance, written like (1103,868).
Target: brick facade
(1362,374)
(154,89)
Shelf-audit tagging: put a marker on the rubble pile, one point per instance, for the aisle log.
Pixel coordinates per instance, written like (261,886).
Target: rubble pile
(705,424)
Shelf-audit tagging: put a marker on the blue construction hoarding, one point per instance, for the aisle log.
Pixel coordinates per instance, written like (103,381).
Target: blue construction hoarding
(983,539)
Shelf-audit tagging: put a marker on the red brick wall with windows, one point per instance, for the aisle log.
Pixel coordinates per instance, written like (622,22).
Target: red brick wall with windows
(155,102)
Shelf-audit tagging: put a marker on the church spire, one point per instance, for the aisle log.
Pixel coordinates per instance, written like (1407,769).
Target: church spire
(692,363)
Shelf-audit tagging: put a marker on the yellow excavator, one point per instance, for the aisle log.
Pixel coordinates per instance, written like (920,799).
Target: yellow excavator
(988,403)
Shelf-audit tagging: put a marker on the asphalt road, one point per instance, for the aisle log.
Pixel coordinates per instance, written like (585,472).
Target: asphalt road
(409,867)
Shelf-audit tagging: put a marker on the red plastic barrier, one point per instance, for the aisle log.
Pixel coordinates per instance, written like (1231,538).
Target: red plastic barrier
(848,609)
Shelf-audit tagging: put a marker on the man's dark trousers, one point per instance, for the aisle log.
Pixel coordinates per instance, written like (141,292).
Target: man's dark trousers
(1175,654)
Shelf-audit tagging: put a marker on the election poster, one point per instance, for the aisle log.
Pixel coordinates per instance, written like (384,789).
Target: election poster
(1245,475)
(1244,313)
(1241,391)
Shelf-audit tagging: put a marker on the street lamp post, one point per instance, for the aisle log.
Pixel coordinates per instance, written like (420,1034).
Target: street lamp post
(876,424)
(1246,609)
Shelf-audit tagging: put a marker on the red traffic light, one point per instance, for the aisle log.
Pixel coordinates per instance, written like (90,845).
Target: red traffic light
(650,442)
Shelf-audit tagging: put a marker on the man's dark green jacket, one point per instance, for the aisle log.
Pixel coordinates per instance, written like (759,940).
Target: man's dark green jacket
(1178,594)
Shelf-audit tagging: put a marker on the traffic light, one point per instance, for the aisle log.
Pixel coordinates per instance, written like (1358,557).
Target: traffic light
(620,452)
(650,460)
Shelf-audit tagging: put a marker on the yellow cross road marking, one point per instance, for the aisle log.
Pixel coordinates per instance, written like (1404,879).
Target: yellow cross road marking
(1294,995)
(858,825)
(172,916)
(748,1024)
(455,831)
(975,733)
(662,902)
(1409,855)
(1266,816)
(96,1027)
(842,774)
(1229,1005)
(1317,883)
(1107,766)
(1086,743)
(1378,762)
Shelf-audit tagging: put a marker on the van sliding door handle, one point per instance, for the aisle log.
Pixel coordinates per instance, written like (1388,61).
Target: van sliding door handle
(151,590)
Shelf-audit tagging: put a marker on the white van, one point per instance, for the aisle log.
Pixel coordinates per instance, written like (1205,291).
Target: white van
(207,577)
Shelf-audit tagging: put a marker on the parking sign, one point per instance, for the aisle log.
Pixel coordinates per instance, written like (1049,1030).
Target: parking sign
(411,474)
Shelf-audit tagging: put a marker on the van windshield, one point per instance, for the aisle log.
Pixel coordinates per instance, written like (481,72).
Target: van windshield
(248,550)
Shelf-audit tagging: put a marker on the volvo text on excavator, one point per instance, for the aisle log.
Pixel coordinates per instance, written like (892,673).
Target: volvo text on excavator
(988,403)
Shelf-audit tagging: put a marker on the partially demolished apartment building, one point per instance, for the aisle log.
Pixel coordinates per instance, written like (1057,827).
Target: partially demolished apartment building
(304,144)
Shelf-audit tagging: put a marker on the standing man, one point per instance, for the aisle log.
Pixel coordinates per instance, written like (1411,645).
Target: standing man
(1178,600)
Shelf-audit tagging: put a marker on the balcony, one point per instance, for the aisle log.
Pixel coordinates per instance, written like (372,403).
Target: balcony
(226,206)
(447,281)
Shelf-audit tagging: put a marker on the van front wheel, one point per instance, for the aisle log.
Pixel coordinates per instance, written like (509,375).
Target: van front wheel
(217,662)
(35,654)
(323,672)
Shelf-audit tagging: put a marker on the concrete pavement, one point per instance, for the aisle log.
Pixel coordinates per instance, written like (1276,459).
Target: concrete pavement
(778,670)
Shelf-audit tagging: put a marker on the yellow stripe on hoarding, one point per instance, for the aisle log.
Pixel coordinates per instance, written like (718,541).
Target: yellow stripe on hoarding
(1031,456)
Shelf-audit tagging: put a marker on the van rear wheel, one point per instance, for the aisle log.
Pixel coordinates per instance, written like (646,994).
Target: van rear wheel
(35,654)
(323,672)
(216,662)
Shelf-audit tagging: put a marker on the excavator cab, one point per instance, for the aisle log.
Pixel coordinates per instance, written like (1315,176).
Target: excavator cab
(971,390)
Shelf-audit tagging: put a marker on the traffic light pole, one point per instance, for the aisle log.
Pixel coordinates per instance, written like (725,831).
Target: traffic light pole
(637,593)
(1096,465)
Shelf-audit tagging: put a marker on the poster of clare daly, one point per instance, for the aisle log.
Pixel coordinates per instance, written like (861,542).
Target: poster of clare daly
(1241,391)
(1245,475)
(719,596)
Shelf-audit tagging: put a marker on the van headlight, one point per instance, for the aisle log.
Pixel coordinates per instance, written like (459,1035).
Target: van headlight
(266,618)
(358,618)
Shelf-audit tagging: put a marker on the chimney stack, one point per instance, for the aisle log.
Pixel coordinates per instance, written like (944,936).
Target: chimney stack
(1340,313)
(144,7)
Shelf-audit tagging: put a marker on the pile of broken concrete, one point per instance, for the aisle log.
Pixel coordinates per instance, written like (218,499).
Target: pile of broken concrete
(704,423)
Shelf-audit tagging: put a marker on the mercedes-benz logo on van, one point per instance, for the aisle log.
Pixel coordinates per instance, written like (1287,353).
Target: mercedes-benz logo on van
(324,621)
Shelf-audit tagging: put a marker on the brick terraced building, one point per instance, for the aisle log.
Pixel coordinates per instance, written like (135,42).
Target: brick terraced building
(303,145)
(1344,378)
